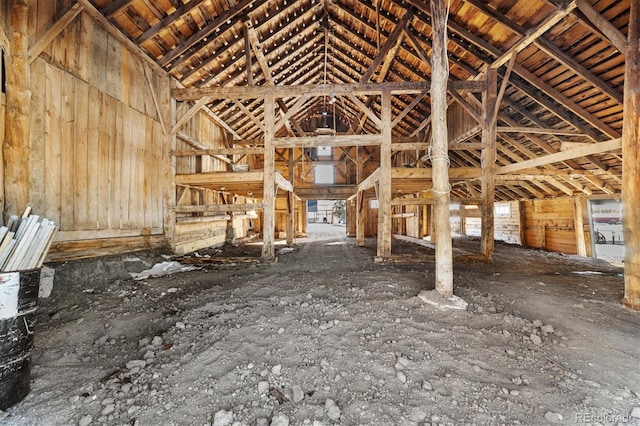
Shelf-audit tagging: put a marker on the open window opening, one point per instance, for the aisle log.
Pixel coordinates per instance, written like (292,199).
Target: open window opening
(324,174)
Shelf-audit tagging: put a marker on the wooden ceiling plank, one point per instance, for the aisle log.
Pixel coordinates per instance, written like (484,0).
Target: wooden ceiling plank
(248,57)
(418,98)
(249,114)
(416,44)
(545,88)
(114,7)
(204,33)
(291,121)
(532,35)
(258,52)
(550,49)
(168,20)
(291,111)
(613,34)
(391,41)
(365,109)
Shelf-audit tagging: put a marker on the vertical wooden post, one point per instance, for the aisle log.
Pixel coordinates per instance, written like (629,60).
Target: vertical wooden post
(169,105)
(522,207)
(291,202)
(488,159)
(302,221)
(631,162)
(291,215)
(463,220)
(440,150)
(424,221)
(578,224)
(384,192)
(18,102)
(360,218)
(432,224)
(269,193)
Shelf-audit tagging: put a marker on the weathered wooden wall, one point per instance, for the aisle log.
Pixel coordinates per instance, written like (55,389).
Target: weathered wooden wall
(549,224)
(370,219)
(507,227)
(99,153)
(195,231)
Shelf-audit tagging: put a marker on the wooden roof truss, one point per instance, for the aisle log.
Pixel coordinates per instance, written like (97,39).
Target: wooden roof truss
(559,63)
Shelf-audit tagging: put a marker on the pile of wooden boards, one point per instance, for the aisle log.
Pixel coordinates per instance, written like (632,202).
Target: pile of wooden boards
(25,242)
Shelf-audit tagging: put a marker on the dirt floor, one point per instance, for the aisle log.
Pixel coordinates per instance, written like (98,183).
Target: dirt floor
(325,336)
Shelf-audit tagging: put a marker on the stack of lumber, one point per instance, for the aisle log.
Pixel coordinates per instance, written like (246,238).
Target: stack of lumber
(25,241)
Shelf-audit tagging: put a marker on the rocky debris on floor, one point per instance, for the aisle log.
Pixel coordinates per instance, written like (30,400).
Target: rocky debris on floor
(327,343)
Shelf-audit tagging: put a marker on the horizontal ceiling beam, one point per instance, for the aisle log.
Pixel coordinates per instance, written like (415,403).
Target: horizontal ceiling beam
(322,140)
(590,149)
(252,92)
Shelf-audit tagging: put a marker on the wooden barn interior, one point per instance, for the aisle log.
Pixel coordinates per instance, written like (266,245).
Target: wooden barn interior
(182,125)
(135,124)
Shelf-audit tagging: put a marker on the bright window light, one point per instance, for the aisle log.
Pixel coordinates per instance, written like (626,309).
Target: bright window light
(502,210)
(324,174)
(324,151)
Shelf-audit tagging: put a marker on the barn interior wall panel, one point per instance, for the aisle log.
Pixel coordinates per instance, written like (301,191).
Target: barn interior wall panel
(98,148)
(549,224)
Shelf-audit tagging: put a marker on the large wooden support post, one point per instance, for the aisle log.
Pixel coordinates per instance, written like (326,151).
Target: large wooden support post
(631,162)
(291,217)
(488,159)
(578,224)
(522,211)
(169,176)
(269,193)
(303,218)
(440,150)
(18,100)
(424,221)
(360,219)
(384,192)
(291,202)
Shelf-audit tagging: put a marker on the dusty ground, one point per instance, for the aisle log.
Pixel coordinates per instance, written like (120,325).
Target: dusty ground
(326,336)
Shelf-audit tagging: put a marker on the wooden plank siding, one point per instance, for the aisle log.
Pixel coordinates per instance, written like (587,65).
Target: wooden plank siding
(507,228)
(97,144)
(549,224)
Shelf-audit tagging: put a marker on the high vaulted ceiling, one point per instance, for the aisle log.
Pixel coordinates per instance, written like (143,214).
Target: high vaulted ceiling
(566,80)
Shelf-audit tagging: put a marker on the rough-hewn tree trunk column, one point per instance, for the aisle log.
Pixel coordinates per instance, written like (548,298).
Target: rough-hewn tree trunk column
(291,202)
(360,219)
(488,159)
(631,163)
(384,193)
(291,217)
(302,221)
(269,193)
(18,101)
(440,150)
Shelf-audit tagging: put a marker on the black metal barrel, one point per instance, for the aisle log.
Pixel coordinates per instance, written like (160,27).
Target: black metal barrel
(16,336)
